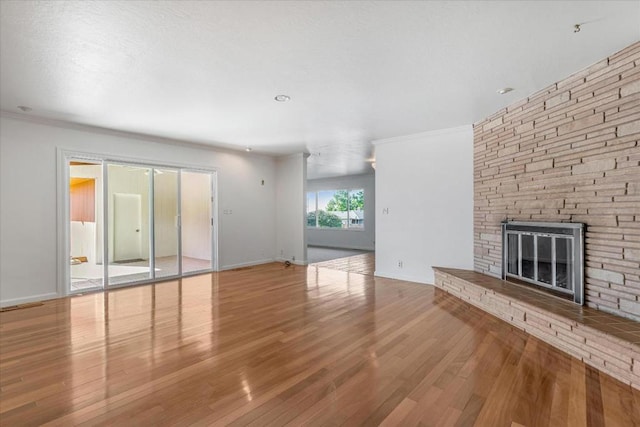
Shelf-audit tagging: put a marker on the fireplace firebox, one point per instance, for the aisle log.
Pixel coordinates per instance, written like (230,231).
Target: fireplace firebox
(545,254)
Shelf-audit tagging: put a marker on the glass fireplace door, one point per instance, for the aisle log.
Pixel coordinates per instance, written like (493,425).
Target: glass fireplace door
(549,255)
(538,258)
(564,263)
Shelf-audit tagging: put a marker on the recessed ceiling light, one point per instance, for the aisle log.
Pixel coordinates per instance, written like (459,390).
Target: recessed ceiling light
(282,98)
(24,109)
(504,90)
(247,149)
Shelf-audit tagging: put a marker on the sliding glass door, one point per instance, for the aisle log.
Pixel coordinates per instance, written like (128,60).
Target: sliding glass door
(85,226)
(158,223)
(128,224)
(197,221)
(166,184)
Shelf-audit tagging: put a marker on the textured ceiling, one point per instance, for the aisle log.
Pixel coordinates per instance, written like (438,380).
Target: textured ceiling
(207,72)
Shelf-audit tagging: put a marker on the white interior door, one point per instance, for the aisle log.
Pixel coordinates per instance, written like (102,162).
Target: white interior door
(127,220)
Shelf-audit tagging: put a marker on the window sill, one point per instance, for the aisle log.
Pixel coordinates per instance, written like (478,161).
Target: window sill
(336,229)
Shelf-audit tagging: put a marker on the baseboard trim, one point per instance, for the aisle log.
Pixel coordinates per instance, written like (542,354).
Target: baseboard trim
(33,298)
(292,262)
(247,264)
(406,278)
(355,248)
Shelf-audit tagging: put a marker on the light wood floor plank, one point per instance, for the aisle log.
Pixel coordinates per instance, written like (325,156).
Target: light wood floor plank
(327,344)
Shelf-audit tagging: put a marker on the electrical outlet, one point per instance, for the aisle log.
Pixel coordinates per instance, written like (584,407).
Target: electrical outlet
(400,264)
(293,258)
(281,252)
(385,211)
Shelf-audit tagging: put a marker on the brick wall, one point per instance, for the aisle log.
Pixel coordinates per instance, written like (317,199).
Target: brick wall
(569,152)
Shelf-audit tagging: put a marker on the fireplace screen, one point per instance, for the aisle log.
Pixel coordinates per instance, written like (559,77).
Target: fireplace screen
(549,255)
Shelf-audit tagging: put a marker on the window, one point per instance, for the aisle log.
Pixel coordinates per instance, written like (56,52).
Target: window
(340,209)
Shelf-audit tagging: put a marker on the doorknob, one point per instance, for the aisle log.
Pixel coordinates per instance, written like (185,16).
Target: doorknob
(137,230)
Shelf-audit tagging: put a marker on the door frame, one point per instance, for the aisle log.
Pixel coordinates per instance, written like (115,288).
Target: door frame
(63,234)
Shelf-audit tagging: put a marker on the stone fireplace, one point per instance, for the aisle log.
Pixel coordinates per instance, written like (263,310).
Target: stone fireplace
(569,153)
(564,166)
(549,256)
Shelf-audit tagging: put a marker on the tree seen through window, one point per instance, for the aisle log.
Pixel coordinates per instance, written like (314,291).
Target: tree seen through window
(336,209)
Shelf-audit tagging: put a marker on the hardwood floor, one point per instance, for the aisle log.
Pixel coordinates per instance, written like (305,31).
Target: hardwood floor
(271,345)
(362,264)
(317,254)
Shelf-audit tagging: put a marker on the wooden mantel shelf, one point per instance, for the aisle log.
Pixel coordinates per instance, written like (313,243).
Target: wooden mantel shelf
(607,342)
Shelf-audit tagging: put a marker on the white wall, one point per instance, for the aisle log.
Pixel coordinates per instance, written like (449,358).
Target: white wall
(347,238)
(425,183)
(28,200)
(291,172)
(83,240)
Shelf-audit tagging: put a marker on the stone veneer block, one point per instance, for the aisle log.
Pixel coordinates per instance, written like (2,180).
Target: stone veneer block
(607,342)
(570,152)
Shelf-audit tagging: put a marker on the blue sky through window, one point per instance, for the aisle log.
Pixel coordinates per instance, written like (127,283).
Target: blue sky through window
(323,199)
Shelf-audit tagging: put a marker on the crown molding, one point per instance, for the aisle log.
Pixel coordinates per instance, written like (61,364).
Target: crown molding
(426,135)
(218,147)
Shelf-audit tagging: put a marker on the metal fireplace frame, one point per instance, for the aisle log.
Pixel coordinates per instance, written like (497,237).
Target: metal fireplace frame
(569,230)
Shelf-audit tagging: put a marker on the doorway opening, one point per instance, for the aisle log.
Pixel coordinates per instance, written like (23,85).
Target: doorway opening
(148,222)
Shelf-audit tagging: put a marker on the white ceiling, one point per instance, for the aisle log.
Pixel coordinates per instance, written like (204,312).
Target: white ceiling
(207,72)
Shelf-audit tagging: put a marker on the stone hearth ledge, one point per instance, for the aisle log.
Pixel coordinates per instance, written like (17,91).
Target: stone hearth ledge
(607,342)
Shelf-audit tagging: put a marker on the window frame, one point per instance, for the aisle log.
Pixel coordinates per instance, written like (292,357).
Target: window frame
(349,190)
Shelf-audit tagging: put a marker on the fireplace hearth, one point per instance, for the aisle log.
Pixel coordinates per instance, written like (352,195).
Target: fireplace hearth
(547,255)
